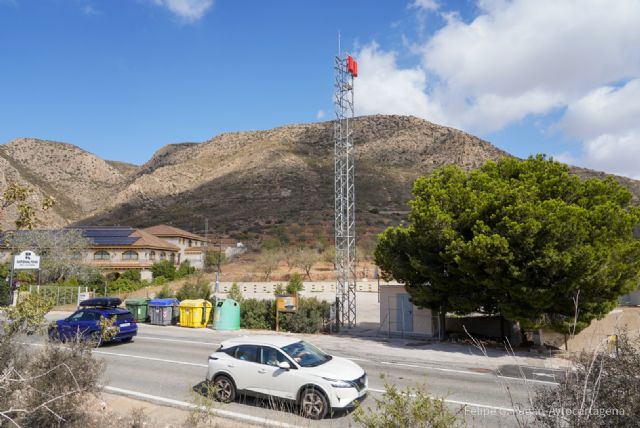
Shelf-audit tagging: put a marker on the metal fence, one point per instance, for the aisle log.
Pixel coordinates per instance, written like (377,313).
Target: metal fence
(61,295)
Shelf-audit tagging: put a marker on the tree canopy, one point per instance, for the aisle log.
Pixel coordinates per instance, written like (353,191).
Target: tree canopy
(521,238)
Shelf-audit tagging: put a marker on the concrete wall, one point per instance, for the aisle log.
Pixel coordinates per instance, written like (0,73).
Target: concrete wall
(309,286)
(422,319)
(484,326)
(632,299)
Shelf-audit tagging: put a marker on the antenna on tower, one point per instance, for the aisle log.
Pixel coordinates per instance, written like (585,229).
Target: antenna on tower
(345,70)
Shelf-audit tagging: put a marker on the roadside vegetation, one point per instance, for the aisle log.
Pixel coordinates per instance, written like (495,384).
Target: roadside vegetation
(519,238)
(601,389)
(407,408)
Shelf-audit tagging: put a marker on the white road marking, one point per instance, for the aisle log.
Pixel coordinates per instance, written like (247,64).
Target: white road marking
(528,380)
(162,360)
(195,342)
(552,376)
(463,403)
(190,406)
(353,358)
(433,368)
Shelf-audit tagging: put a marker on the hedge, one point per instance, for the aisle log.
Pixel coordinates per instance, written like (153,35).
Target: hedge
(312,316)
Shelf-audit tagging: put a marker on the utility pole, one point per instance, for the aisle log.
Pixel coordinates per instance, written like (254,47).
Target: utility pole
(345,70)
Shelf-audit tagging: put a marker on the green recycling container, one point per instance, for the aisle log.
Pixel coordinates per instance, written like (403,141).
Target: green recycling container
(138,307)
(227,315)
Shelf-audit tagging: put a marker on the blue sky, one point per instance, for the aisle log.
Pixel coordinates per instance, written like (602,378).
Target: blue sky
(121,78)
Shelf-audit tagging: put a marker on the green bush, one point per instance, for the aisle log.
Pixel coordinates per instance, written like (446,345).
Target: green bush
(197,288)
(235,293)
(164,268)
(279,289)
(131,274)
(159,280)
(258,314)
(122,285)
(165,292)
(407,408)
(312,316)
(5,289)
(295,284)
(185,269)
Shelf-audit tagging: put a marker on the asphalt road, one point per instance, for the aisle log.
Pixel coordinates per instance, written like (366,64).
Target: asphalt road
(169,363)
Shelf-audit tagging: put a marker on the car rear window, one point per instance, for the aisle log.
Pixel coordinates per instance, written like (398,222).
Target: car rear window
(125,317)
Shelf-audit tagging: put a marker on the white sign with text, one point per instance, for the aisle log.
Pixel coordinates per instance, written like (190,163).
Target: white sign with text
(26,260)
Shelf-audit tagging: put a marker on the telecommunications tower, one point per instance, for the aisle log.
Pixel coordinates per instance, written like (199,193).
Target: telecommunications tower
(346,69)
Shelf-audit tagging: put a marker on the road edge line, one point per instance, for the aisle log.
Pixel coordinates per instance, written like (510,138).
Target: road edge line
(190,406)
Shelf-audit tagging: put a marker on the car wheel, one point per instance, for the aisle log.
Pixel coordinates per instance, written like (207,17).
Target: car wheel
(313,404)
(53,335)
(126,339)
(224,389)
(95,339)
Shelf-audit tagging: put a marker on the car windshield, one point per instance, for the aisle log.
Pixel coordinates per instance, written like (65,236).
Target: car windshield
(306,354)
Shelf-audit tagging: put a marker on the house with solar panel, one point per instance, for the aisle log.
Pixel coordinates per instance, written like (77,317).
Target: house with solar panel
(119,248)
(192,247)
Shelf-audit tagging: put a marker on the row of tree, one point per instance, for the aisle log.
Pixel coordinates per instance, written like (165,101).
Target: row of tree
(521,238)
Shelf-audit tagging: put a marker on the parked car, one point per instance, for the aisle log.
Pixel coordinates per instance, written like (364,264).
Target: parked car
(85,322)
(287,368)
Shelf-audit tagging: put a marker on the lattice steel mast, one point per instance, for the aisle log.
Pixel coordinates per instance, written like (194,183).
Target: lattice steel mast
(345,213)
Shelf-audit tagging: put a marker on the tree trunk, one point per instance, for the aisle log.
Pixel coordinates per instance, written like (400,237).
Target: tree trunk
(442,317)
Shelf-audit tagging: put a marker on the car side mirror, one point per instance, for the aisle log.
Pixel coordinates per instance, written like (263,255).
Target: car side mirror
(284,365)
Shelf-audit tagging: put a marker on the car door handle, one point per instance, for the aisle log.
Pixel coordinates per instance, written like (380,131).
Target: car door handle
(230,366)
(262,371)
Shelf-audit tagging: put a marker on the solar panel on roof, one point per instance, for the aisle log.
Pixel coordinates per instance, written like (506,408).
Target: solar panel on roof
(113,240)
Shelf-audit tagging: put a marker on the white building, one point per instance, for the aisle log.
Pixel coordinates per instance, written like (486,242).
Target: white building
(192,247)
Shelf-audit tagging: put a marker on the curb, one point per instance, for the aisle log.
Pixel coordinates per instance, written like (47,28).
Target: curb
(183,405)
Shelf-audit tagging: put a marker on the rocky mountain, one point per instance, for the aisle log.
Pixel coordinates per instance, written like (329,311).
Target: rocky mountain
(248,183)
(79,181)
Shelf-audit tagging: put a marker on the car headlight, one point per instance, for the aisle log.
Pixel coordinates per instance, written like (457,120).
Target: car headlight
(337,383)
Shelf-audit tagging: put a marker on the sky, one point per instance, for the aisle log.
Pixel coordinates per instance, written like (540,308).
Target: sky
(122,78)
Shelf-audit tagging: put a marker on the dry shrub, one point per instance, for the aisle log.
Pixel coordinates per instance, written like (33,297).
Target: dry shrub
(601,389)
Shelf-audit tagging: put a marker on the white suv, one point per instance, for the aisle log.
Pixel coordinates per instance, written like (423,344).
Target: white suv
(288,368)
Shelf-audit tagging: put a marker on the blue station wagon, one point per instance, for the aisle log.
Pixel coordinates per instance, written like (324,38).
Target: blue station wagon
(85,322)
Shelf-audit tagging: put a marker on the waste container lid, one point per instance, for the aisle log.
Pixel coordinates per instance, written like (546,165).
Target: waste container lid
(197,303)
(164,302)
(138,301)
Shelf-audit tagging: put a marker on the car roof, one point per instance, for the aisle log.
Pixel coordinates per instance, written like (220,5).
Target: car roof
(278,341)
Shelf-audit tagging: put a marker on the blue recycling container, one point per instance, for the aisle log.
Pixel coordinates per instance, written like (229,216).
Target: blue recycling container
(164,311)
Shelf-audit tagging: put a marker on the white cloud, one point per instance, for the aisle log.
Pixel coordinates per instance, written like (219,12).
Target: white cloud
(616,153)
(428,5)
(382,87)
(90,10)
(520,58)
(606,119)
(320,114)
(604,110)
(187,10)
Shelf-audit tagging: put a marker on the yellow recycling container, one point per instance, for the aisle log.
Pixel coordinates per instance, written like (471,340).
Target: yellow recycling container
(195,313)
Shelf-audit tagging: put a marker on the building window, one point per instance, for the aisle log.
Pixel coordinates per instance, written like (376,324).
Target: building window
(101,255)
(77,255)
(189,242)
(163,255)
(172,258)
(130,255)
(152,255)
